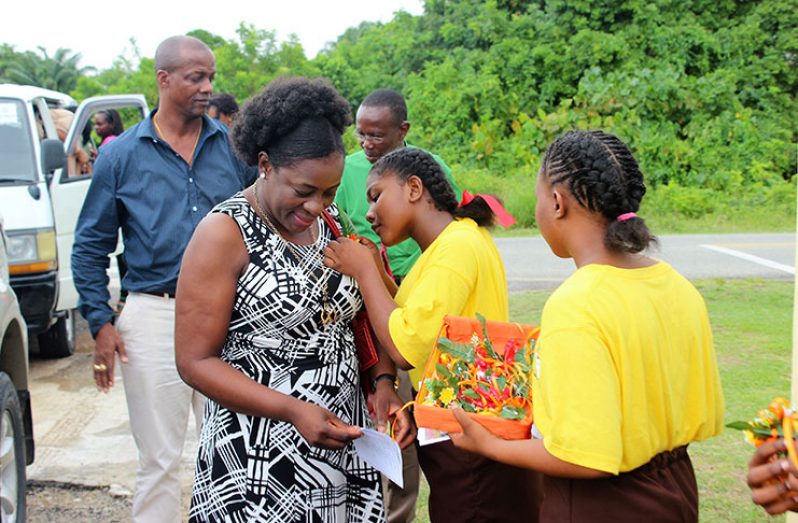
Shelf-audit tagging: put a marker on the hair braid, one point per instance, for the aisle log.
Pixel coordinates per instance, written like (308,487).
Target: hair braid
(604,177)
(407,162)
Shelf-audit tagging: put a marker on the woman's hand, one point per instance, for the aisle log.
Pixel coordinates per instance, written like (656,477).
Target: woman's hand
(386,406)
(349,257)
(321,428)
(474,438)
(772,479)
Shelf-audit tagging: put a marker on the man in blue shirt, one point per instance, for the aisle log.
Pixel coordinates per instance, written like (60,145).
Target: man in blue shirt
(156,181)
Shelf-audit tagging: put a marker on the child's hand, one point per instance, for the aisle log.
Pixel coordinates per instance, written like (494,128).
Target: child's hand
(375,251)
(404,429)
(348,257)
(772,479)
(474,438)
(388,412)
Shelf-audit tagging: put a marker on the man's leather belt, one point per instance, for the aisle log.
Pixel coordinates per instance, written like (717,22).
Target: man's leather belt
(160,294)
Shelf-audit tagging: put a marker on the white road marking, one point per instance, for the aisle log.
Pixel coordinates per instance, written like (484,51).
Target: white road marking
(751,258)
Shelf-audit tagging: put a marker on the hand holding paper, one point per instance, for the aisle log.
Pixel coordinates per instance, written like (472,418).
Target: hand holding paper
(382,453)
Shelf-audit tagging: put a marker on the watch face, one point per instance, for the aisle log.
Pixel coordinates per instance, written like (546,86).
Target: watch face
(391,377)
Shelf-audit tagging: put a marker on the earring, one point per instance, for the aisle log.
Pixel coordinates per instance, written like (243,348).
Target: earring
(263,174)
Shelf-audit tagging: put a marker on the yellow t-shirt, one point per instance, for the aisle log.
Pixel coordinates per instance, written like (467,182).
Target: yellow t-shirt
(625,368)
(461,273)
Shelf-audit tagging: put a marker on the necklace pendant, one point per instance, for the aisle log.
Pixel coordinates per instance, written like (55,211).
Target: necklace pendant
(328,315)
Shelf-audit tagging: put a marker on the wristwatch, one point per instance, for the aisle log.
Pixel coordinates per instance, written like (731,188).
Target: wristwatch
(385,376)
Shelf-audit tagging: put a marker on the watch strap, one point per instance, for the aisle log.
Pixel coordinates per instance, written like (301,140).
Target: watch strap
(385,376)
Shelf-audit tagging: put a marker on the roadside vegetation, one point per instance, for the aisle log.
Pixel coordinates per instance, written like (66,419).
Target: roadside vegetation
(667,209)
(703,91)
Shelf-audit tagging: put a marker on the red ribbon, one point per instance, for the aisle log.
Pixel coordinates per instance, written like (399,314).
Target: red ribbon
(504,218)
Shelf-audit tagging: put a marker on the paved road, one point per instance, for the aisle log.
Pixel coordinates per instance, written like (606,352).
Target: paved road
(82,436)
(531,265)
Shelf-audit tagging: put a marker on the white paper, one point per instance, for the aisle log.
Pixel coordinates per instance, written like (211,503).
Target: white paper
(381,452)
(427,436)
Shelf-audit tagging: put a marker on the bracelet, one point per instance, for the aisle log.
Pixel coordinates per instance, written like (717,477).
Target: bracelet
(385,376)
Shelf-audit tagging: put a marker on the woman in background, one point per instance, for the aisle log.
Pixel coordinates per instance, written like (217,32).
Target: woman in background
(108,125)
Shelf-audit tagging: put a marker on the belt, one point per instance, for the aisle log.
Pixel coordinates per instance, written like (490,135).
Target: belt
(160,294)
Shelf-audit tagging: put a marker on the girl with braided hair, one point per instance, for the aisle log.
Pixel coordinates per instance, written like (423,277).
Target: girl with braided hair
(459,273)
(625,370)
(265,330)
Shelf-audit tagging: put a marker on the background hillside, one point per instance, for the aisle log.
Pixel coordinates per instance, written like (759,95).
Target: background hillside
(704,91)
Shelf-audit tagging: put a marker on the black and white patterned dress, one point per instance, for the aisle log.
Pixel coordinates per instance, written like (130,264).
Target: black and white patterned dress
(252,469)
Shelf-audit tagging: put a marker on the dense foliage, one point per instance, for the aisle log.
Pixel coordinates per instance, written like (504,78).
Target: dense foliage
(703,90)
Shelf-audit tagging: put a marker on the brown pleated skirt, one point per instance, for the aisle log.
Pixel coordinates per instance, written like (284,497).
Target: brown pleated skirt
(466,488)
(662,490)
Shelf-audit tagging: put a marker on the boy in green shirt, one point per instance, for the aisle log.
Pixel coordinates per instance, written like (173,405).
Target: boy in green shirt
(381,127)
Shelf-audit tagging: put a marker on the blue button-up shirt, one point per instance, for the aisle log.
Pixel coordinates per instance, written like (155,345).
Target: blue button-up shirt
(143,186)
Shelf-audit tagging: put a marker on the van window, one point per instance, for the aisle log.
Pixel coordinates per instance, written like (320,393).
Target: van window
(99,129)
(17,161)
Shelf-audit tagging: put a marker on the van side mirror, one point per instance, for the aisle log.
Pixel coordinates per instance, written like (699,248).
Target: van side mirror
(53,157)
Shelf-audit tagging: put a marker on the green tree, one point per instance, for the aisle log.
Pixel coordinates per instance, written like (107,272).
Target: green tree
(703,90)
(59,72)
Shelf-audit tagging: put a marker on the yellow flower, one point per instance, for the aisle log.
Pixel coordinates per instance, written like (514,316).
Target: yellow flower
(447,395)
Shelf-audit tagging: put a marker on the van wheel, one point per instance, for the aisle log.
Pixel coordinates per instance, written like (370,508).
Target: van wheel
(12,454)
(59,340)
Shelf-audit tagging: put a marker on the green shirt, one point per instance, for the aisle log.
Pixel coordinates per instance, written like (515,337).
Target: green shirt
(351,197)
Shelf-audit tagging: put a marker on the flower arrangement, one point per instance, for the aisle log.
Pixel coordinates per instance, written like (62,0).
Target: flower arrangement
(776,421)
(477,378)
(484,368)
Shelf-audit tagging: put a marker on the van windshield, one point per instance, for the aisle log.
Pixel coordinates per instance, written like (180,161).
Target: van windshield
(17,161)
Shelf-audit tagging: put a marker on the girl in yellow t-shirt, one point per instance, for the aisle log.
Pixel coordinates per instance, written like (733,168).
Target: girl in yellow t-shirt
(460,273)
(625,370)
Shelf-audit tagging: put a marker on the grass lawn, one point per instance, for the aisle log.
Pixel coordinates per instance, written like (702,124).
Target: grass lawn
(752,323)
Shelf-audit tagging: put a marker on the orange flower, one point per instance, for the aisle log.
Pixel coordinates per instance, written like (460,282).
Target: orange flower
(778,406)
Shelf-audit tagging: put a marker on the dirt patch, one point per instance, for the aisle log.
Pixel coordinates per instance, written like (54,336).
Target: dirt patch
(53,502)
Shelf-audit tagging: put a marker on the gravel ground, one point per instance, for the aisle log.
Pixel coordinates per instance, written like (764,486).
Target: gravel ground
(52,502)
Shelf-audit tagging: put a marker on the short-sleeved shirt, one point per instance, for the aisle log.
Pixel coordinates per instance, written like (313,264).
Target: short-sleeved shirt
(460,273)
(351,197)
(625,368)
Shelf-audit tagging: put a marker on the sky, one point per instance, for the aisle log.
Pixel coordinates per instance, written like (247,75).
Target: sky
(101,31)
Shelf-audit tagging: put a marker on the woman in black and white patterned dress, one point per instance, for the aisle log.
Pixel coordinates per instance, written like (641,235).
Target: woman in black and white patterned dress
(264,329)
